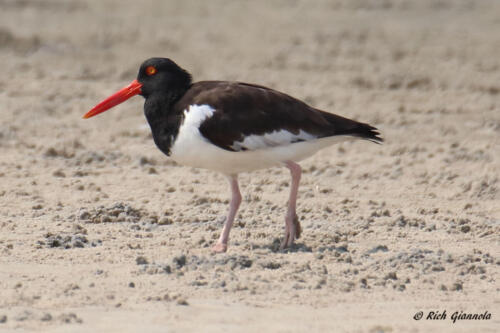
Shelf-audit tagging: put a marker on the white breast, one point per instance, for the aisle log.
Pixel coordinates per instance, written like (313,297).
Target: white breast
(264,151)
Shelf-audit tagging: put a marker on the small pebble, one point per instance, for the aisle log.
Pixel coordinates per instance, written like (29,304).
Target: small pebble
(182,301)
(141,260)
(46,317)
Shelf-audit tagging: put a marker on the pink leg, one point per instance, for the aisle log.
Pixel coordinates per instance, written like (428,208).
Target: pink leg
(221,245)
(292,225)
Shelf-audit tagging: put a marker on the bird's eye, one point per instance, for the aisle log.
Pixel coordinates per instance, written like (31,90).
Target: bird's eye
(150,70)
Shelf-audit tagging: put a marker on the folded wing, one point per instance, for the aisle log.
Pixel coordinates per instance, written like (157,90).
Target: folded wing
(252,117)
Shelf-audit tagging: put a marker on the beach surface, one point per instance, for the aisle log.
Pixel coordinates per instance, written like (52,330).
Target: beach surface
(101,232)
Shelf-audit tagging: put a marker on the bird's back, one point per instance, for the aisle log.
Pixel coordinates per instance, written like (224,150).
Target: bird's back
(243,110)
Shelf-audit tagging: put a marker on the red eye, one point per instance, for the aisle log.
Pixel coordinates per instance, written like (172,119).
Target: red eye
(150,70)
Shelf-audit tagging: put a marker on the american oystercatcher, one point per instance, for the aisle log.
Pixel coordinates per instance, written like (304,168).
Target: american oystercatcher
(233,127)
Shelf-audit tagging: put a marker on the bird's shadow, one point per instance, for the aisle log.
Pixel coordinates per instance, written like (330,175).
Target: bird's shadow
(274,247)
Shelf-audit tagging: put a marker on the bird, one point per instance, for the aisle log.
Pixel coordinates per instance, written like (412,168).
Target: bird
(234,127)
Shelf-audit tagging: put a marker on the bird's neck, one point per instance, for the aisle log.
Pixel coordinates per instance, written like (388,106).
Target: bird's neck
(163,120)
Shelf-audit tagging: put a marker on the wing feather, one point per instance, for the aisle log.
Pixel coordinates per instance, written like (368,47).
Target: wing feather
(251,117)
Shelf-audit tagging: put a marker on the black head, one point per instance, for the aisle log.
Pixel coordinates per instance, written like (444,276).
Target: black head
(162,75)
(159,78)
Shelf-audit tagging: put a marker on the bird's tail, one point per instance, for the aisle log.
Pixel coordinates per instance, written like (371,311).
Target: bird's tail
(367,132)
(345,126)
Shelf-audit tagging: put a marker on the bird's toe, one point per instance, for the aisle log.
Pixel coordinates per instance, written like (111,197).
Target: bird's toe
(219,248)
(284,243)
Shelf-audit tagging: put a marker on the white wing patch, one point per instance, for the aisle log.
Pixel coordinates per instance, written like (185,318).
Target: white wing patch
(269,140)
(196,114)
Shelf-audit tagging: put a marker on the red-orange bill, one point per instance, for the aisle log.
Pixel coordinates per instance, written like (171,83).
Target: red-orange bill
(120,96)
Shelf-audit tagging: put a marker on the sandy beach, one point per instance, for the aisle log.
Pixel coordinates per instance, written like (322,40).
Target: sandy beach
(101,232)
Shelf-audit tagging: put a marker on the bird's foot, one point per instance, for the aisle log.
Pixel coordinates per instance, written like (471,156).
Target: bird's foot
(219,248)
(293,231)
(284,242)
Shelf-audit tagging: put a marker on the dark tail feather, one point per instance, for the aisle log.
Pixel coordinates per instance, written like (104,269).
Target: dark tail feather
(345,126)
(367,132)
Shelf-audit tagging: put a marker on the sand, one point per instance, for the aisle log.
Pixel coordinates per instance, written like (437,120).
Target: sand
(100,232)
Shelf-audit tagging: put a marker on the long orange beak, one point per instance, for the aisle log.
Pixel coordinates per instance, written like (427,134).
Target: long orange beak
(118,97)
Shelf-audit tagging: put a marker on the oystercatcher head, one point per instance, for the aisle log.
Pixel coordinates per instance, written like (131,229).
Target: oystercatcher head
(158,78)
(233,127)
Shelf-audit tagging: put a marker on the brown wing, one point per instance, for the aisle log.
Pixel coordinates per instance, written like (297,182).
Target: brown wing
(243,110)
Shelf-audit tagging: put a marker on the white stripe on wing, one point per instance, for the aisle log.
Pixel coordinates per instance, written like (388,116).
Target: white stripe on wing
(268,140)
